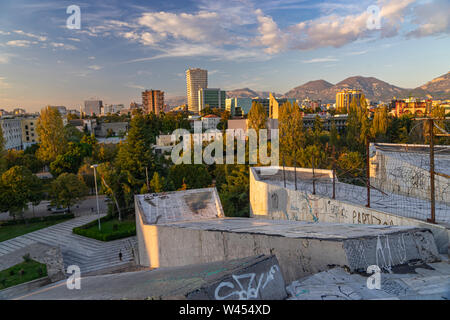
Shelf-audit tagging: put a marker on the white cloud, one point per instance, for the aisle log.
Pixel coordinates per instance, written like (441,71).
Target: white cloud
(20,43)
(95,67)
(30,35)
(432,18)
(271,36)
(318,60)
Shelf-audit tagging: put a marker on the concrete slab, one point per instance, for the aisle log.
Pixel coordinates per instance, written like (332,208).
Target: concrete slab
(302,248)
(338,284)
(179,205)
(257,277)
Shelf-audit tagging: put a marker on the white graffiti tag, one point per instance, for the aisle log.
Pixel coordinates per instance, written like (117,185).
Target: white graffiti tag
(253,287)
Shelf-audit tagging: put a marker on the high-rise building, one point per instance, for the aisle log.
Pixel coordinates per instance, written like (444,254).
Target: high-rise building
(153,101)
(196,79)
(344,99)
(238,106)
(92,107)
(213,98)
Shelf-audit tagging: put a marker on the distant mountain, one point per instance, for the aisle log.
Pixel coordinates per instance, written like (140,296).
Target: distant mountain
(311,89)
(248,93)
(438,88)
(373,88)
(176,101)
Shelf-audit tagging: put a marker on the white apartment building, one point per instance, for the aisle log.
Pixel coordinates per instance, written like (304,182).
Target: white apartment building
(12,133)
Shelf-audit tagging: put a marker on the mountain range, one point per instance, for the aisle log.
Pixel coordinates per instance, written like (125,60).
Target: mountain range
(373,88)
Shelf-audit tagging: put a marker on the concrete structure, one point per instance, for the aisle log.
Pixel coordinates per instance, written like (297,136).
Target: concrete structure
(196,79)
(153,101)
(405,169)
(12,133)
(210,122)
(415,282)
(212,98)
(92,107)
(49,255)
(269,199)
(29,133)
(109,129)
(344,99)
(245,279)
(180,228)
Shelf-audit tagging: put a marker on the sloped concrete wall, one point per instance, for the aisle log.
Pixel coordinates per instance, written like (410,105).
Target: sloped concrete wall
(299,206)
(298,255)
(400,177)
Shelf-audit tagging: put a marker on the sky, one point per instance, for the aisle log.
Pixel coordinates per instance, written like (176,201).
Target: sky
(123,47)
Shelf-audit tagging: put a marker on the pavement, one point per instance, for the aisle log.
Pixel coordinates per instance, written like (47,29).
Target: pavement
(420,282)
(89,254)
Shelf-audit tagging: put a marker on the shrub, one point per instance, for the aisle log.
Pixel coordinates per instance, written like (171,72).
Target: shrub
(27,257)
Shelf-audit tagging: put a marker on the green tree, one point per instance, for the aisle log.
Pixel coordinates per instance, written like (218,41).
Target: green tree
(52,137)
(292,137)
(257,117)
(234,193)
(67,190)
(380,123)
(19,187)
(157,183)
(193,175)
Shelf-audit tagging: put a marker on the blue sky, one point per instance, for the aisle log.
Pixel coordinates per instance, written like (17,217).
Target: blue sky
(274,45)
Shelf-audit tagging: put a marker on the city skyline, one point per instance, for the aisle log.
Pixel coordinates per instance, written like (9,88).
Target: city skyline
(123,49)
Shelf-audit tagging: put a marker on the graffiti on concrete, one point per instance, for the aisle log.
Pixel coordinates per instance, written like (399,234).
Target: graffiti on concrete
(274,200)
(383,254)
(249,291)
(369,218)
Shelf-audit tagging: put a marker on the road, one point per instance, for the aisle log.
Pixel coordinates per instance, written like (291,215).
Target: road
(85,207)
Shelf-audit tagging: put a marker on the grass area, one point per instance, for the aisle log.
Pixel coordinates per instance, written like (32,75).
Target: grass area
(15,230)
(22,272)
(111,229)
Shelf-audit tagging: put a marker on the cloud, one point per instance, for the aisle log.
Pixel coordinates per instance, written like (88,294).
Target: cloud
(318,60)
(432,19)
(30,35)
(95,67)
(4,33)
(4,58)
(20,43)
(271,36)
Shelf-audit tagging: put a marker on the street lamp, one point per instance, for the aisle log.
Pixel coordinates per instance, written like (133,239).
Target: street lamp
(94,166)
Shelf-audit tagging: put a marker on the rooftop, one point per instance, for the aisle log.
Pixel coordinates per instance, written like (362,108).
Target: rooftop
(158,208)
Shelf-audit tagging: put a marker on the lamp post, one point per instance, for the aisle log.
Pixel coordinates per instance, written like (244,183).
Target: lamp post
(94,166)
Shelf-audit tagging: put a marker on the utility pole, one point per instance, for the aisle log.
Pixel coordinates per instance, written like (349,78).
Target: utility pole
(313,176)
(432,185)
(334,173)
(146,178)
(368,171)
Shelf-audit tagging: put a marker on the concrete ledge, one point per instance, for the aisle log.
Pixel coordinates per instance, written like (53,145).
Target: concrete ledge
(301,248)
(24,288)
(256,277)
